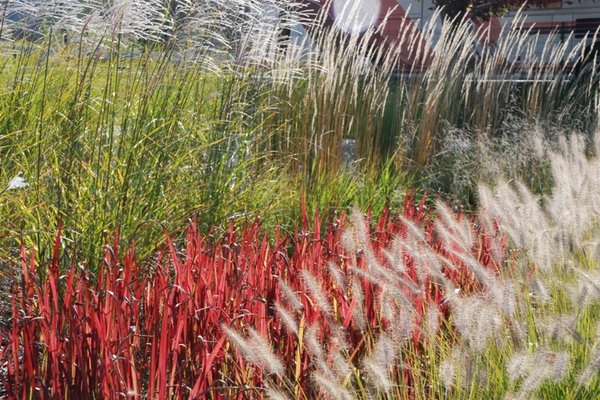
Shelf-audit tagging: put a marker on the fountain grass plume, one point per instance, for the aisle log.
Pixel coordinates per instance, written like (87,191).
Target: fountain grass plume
(315,290)
(454,338)
(257,350)
(536,368)
(287,319)
(290,295)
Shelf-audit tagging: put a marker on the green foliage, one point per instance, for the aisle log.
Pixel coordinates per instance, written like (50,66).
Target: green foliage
(138,143)
(112,135)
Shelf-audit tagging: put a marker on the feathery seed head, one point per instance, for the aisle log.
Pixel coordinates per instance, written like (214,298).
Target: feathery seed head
(536,368)
(329,386)
(275,394)
(287,319)
(337,275)
(256,350)
(358,299)
(316,291)
(290,295)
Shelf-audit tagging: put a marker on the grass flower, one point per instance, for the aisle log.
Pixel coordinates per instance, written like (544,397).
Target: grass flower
(257,350)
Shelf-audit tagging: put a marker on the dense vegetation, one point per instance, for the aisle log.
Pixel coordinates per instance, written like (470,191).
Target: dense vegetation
(178,222)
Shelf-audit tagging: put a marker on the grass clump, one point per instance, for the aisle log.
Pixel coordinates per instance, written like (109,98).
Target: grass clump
(135,116)
(131,120)
(415,305)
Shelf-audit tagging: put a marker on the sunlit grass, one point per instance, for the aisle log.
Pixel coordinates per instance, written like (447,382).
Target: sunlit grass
(130,124)
(138,144)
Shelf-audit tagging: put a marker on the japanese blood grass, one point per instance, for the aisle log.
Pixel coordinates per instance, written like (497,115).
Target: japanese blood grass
(181,325)
(420,305)
(527,328)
